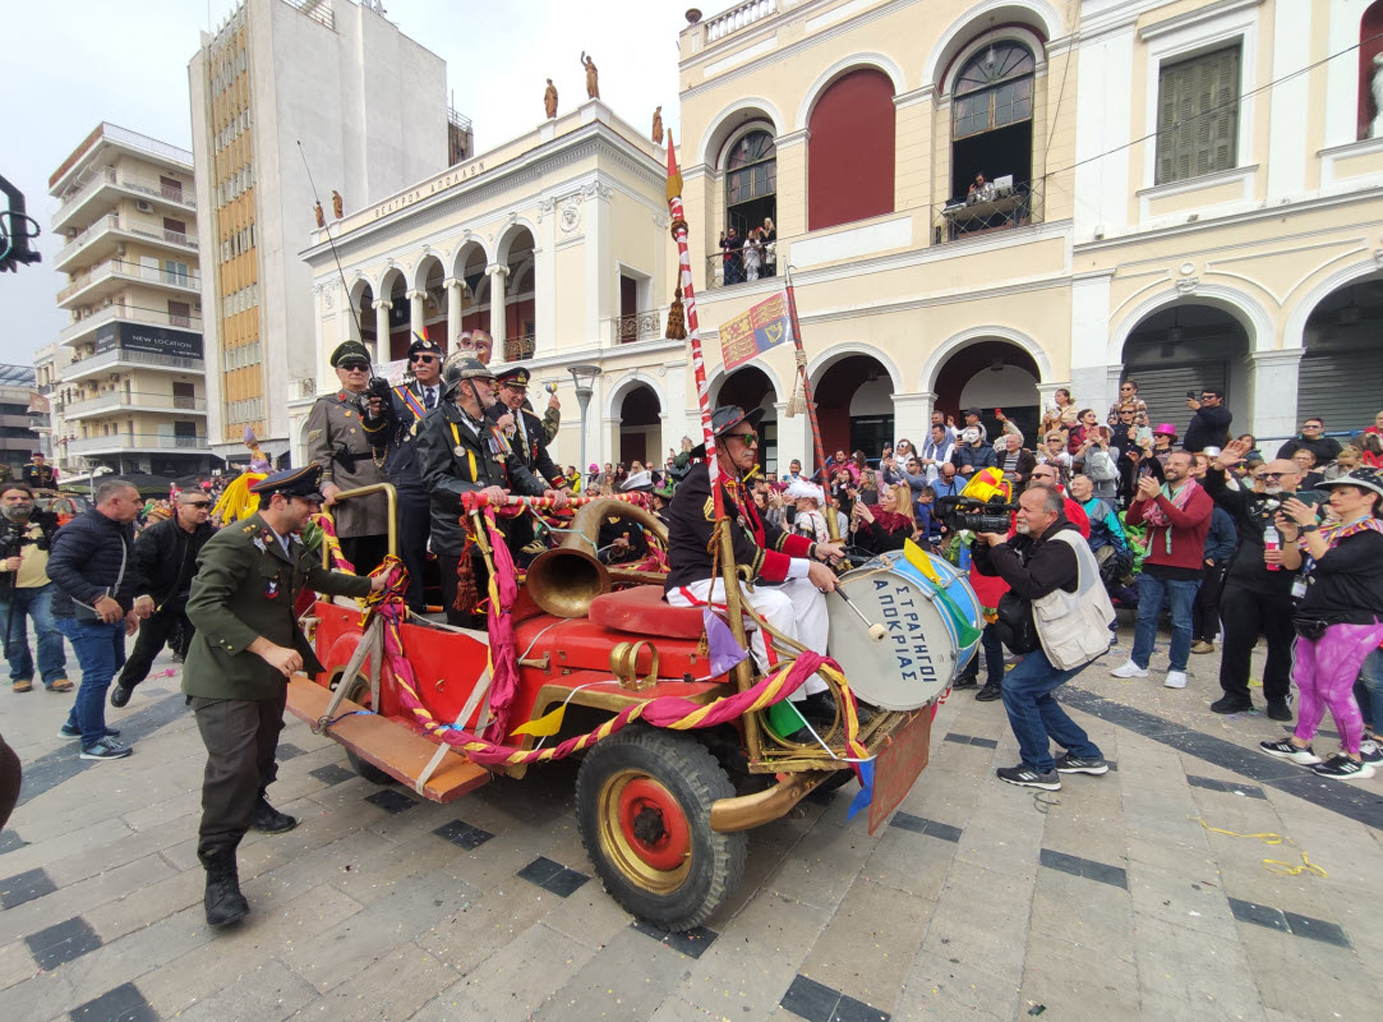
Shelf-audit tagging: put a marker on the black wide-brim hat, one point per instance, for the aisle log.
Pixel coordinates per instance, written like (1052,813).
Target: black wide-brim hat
(1366,478)
(726,418)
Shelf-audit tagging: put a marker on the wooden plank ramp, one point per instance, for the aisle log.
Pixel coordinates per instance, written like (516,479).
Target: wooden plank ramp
(392,746)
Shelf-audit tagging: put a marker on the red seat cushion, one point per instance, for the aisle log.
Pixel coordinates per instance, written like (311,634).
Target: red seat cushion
(642,611)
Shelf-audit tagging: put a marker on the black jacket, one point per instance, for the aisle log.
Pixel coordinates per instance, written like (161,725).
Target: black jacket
(1032,567)
(1346,585)
(454,460)
(1252,513)
(1209,427)
(978,457)
(531,449)
(166,556)
(399,439)
(85,563)
(1326,449)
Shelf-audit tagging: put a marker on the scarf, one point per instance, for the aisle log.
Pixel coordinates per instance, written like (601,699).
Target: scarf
(1334,534)
(892,521)
(1156,518)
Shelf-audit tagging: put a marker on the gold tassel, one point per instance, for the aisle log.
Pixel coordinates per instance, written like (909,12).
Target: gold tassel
(797,403)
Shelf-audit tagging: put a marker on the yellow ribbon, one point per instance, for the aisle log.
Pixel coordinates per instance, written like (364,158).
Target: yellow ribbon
(1269,838)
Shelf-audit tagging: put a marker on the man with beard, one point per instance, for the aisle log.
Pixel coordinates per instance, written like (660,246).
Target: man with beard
(25,591)
(165,555)
(1255,599)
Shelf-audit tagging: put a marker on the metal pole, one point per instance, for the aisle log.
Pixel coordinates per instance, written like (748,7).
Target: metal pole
(583,398)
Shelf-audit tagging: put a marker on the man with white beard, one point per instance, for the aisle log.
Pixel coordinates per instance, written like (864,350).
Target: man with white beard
(1255,599)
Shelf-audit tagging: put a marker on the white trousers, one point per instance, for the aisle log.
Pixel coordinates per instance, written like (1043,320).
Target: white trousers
(796,608)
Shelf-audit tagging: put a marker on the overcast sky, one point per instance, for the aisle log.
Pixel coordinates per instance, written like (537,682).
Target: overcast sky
(87,61)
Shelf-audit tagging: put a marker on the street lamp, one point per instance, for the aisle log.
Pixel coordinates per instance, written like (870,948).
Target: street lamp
(584,376)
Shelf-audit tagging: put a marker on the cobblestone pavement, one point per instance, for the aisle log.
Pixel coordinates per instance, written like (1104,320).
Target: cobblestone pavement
(1110,899)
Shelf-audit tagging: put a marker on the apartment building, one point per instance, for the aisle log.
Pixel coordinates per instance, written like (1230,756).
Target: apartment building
(281,88)
(131,397)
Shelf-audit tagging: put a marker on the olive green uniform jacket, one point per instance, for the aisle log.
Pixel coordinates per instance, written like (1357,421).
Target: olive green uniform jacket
(245,588)
(339,441)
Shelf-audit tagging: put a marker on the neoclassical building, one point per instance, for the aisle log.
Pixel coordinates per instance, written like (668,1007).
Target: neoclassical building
(979,203)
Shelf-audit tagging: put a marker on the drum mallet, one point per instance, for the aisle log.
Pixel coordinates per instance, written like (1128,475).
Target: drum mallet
(876,631)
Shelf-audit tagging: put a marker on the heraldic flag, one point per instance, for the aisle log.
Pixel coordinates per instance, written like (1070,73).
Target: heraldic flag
(763,328)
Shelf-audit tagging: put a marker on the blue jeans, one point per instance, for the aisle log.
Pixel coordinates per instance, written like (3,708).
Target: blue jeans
(100,650)
(1153,592)
(1035,716)
(36,603)
(1368,690)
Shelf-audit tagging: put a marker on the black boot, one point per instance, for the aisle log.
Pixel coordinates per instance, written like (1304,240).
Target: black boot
(224,902)
(268,819)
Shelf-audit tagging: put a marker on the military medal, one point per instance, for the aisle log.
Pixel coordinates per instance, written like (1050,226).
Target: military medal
(271,589)
(458,450)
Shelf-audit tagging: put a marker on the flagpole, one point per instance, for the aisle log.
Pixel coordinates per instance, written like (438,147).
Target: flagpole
(832,525)
(743,672)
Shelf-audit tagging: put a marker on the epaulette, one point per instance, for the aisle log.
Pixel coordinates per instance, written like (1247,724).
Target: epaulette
(248,529)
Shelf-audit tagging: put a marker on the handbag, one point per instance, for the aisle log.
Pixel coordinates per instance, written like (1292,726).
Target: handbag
(1312,629)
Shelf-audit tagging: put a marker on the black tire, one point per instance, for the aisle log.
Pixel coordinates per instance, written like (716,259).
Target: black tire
(359,692)
(674,899)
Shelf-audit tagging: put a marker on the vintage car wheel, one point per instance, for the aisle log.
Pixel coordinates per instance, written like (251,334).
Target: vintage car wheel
(359,692)
(643,803)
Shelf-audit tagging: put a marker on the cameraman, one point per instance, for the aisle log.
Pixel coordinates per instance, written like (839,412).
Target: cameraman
(1055,614)
(26,590)
(338,439)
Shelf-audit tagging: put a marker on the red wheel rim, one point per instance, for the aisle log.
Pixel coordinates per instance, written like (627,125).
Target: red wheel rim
(653,824)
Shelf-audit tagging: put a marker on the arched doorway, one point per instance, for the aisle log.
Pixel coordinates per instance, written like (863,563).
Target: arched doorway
(1341,374)
(518,303)
(429,277)
(989,375)
(475,299)
(641,427)
(854,405)
(394,287)
(750,388)
(1181,349)
(363,322)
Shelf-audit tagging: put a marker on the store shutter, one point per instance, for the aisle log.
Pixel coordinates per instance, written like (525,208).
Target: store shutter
(1197,115)
(1345,388)
(1163,388)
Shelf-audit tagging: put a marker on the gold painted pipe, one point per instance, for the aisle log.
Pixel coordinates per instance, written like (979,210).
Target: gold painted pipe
(390,494)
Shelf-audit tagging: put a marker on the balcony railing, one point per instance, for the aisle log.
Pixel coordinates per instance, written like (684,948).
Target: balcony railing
(135,442)
(128,314)
(108,176)
(516,349)
(738,17)
(637,326)
(114,400)
(728,268)
(1016,206)
(131,271)
(112,222)
(84,366)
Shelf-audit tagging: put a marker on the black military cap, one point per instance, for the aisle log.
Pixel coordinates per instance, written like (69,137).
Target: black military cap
(303,482)
(422,346)
(349,350)
(726,418)
(512,376)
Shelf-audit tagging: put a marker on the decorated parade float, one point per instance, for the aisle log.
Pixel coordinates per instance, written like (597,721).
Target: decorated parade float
(684,745)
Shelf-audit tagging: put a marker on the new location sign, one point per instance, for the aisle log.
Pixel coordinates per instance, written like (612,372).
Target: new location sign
(761,329)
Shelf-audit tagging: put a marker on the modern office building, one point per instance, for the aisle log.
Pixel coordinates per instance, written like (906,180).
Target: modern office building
(131,397)
(18,439)
(281,89)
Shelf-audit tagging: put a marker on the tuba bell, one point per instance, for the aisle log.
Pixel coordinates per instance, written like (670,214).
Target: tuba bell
(564,580)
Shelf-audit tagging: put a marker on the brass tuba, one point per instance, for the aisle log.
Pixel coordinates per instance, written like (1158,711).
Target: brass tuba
(564,580)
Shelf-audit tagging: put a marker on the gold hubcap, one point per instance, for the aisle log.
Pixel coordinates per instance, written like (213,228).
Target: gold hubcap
(616,845)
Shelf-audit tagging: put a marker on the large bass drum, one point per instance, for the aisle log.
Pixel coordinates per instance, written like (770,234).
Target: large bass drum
(931,621)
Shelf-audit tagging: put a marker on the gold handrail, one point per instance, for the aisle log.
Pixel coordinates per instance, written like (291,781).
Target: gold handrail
(390,494)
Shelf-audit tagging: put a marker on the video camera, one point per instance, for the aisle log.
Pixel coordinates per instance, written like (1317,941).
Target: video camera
(960,512)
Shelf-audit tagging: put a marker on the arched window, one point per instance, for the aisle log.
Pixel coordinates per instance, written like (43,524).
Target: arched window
(991,131)
(850,150)
(751,182)
(1370,49)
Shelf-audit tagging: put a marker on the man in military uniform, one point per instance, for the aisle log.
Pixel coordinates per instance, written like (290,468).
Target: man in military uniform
(402,419)
(338,440)
(795,604)
(247,645)
(529,438)
(40,475)
(456,456)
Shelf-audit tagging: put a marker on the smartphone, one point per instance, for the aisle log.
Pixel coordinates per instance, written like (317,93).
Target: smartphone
(1190,395)
(998,412)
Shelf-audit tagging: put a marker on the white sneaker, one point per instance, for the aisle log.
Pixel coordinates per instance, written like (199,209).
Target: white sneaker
(1175,679)
(1128,669)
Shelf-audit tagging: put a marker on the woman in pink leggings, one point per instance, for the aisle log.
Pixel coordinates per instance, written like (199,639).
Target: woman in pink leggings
(1339,616)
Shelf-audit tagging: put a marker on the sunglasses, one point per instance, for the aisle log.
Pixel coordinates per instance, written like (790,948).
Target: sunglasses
(750,439)
(423,358)
(1273,475)
(197,503)
(356,367)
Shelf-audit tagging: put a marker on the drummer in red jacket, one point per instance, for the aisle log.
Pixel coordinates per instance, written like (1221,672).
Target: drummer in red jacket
(1177,513)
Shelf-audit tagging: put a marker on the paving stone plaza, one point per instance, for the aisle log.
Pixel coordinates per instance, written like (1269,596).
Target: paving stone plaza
(1118,897)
